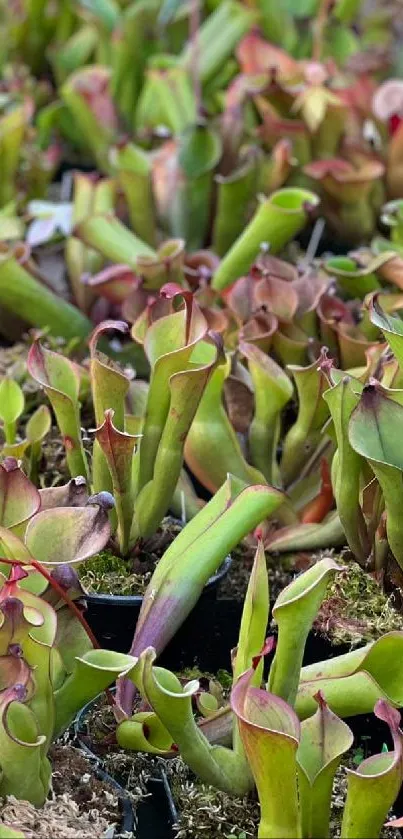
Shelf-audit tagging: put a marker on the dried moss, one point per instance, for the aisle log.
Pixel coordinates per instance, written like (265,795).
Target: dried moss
(356,610)
(206,812)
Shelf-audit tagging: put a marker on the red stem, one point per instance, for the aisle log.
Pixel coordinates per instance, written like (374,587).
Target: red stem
(69,603)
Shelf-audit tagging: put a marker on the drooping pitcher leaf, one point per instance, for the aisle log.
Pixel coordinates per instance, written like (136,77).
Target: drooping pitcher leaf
(72,494)
(352,683)
(67,534)
(93,672)
(172,703)
(21,748)
(372,429)
(144,732)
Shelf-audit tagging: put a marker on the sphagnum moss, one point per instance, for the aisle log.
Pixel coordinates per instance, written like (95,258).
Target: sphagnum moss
(106,573)
(356,610)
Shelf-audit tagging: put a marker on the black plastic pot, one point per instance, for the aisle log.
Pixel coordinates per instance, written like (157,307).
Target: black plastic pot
(155,814)
(127,823)
(113,618)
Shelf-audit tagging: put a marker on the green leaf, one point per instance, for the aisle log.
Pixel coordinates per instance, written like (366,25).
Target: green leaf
(112,239)
(218,36)
(372,433)
(19,498)
(212,448)
(236,198)
(303,437)
(109,387)
(38,425)
(11,406)
(276,221)
(117,448)
(67,534)
(373,788)
(61,381)
(352,683)
(168,10)
(391,326)
(134,169)
(272,390)
(329,533)
(353,280)
(324,739)
(347,466)
(294,612)
(21,747)
(181,364)
(255,614)
(270,733)
(193,557)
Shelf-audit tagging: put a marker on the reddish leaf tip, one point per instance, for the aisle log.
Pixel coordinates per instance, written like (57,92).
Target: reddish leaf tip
(385,712)
(10,464)
(268,647)
(320,699)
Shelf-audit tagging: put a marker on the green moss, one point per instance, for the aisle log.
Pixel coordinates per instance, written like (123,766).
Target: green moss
(356,610)
(106,573)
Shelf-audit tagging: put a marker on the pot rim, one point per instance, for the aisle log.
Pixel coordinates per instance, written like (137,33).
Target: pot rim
(131,599)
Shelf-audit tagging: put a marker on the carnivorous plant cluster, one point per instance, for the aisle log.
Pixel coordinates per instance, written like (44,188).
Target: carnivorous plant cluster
(288,737)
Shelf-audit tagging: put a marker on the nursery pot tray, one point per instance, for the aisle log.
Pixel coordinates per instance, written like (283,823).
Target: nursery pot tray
(113,619)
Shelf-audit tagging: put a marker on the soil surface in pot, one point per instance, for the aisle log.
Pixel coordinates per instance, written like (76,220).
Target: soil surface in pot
(82,807)
(107,573)
(280,570)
